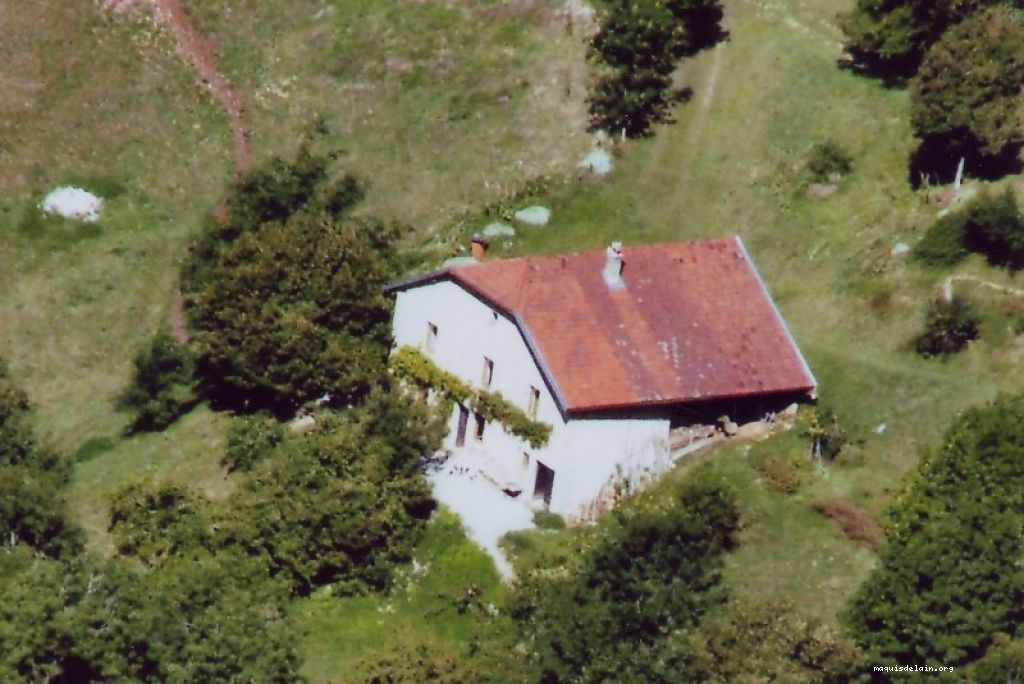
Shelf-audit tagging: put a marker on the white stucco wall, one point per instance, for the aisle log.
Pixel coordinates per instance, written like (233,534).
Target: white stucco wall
(587,455)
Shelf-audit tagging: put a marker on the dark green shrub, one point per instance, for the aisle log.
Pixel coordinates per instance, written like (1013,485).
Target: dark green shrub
(1004,662)
(162,388)
(344,504)
(943,244)
(32,479)
(251,439)
(889,39)
(827,161)
(197,619)
(654,573)
(949,326)
(17,443)
(968,86)
(989,225)
(154,522)
(546,520)
(994,227)
(950,578)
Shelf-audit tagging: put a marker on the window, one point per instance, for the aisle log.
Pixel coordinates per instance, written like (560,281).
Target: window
(533,402)
(544,483)
(488,372)
(428,345)
(460,433)
(478,433)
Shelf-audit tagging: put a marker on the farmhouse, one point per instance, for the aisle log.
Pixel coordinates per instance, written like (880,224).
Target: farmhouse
(618,351)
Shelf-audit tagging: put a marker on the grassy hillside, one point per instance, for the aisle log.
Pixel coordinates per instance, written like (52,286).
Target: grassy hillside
(445,107)
(105,104)
(437,104)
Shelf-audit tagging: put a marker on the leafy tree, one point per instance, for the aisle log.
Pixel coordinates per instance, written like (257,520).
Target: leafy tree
(827,161)
(640,44)
(272,193)
(951,578)
(201,618)
(889,38)
(1004,662)
(162,386)
(653,575)
(941,594)
(967,91)
(295,310)
(949,326)
(32,509)
(344,503)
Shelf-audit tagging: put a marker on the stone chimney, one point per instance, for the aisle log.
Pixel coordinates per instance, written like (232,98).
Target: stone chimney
(613,266)
(478,247)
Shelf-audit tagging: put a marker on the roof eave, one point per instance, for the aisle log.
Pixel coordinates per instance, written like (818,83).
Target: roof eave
(687,401)
(416,280)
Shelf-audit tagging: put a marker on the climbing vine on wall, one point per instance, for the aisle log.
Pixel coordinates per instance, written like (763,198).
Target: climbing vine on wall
(410,365)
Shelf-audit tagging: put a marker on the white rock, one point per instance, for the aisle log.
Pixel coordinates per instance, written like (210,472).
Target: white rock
(598,162)
(499,229)
(302,424)
(881,428)
(578,10)
(73,203)
(899,249)
(534,216)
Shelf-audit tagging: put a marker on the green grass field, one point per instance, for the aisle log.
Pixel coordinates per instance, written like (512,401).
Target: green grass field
(445,108)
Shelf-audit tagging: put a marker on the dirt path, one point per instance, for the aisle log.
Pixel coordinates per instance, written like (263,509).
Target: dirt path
(196,50)
(947,286)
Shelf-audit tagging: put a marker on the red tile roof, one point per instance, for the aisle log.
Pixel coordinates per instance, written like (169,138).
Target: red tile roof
(693,323)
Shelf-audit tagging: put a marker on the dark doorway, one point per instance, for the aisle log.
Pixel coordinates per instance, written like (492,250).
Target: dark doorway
(544,483)
(460,434)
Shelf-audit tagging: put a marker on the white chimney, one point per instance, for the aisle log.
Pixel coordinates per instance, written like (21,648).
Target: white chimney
(613,266)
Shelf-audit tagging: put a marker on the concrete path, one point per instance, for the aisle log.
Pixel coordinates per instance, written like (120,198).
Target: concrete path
(486,512)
